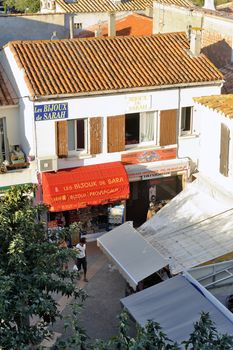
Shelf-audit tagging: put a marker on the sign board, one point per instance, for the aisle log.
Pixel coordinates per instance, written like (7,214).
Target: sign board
(148,156)
(137,103)
(51,111)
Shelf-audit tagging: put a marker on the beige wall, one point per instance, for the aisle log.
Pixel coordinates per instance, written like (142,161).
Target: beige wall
(217,33)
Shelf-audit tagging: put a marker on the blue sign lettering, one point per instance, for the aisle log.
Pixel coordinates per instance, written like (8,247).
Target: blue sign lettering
(51,111)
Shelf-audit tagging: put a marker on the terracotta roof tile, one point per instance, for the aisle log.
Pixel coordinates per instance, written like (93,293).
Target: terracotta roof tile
(7,94)
(83,6)
(100,64)
(180,3)
(219,103)
(133,24)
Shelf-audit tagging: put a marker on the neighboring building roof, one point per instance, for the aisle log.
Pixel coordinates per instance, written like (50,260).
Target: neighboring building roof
(133,24)
(195,227)
(176,304)
(227,7)
(75,66)
(220,103)
(227,72)
(180,3)
(84,6)
(7,94)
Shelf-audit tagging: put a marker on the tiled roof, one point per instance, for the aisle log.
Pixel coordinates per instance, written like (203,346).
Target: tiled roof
(227,72)
(227,7)
(84,6)
(134,24)
(72,66)
(219,103)
(7,94)
(180,3)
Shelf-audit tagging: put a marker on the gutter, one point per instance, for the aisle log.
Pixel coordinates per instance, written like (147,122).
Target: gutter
(118,91)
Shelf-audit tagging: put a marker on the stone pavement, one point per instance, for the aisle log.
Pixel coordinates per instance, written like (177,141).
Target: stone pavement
(105,288)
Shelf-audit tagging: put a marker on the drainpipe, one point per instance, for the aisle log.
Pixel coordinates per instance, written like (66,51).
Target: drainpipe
(71,19)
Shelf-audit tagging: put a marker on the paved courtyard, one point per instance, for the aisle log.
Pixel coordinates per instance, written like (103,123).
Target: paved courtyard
(105,288)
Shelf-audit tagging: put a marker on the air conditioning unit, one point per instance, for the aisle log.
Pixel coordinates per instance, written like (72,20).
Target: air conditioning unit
(47,164)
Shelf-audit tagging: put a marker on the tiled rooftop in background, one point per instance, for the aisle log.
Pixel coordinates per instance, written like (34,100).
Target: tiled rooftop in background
(133,24)
(220,103)
(7,94)
(83,6)
(227,72)
(109,64)
(180,3)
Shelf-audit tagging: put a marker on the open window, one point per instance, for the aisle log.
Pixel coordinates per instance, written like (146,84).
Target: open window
(140,128)
(78,136)
(186,120)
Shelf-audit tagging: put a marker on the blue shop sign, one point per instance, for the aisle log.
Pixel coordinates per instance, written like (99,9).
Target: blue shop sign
(51,111)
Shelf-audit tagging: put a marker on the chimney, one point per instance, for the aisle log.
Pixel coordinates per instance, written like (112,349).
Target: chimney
(209,5)
(98,32)
(195,40)
(111,24)
(71,27)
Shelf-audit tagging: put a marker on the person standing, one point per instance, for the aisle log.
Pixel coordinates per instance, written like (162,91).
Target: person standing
(81,257)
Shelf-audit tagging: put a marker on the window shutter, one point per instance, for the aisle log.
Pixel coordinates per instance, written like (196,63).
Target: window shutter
(224,150)
(62,139)
(116,133)
(95,135)
(168,127)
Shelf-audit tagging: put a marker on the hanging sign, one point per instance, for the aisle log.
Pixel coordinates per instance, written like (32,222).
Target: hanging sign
(51,111)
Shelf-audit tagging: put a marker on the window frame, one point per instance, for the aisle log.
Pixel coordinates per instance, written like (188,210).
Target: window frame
(78,26)
(190,130)
(144,143)
(85,150)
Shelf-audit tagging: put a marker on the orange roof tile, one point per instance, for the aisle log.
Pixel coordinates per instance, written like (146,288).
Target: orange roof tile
(180,3)
(72,66)
(7,94)
(219,103)
(83,6)
(133,24)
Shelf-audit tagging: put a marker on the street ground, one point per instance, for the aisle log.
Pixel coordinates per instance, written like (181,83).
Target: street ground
(105,288)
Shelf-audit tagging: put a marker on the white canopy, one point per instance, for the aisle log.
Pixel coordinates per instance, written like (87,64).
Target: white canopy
(135,258)
(195,227)
(176,304)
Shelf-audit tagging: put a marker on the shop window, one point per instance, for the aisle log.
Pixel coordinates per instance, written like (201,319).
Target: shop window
(140,128)
(78,135)
(186,120)
(4,149)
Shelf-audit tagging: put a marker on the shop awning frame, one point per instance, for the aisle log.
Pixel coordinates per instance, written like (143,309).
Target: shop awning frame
(85,186)
(134,257)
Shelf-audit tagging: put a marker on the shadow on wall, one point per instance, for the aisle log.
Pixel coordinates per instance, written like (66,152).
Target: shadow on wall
(32,27)
(219,53)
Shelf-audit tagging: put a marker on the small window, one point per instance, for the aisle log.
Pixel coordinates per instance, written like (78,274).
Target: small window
(3,141)
(186,120)
(78,26)
(78,135)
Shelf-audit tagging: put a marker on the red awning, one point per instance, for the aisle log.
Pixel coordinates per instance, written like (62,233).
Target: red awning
(88,185)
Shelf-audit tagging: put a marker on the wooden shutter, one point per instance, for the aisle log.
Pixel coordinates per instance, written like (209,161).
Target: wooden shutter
(116,133)
(95,135)
(224,150)
(168,127)
(62,139)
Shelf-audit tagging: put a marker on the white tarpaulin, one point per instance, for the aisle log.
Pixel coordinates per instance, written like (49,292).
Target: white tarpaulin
(175,304)
(135,258)
(194,227)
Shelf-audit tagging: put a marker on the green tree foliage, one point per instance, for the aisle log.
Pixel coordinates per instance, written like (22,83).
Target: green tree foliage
(31,269)
(23,5)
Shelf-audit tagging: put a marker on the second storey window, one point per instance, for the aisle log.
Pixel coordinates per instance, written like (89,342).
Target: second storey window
(139,128)
(78,135)
(4,151)
(186,120)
